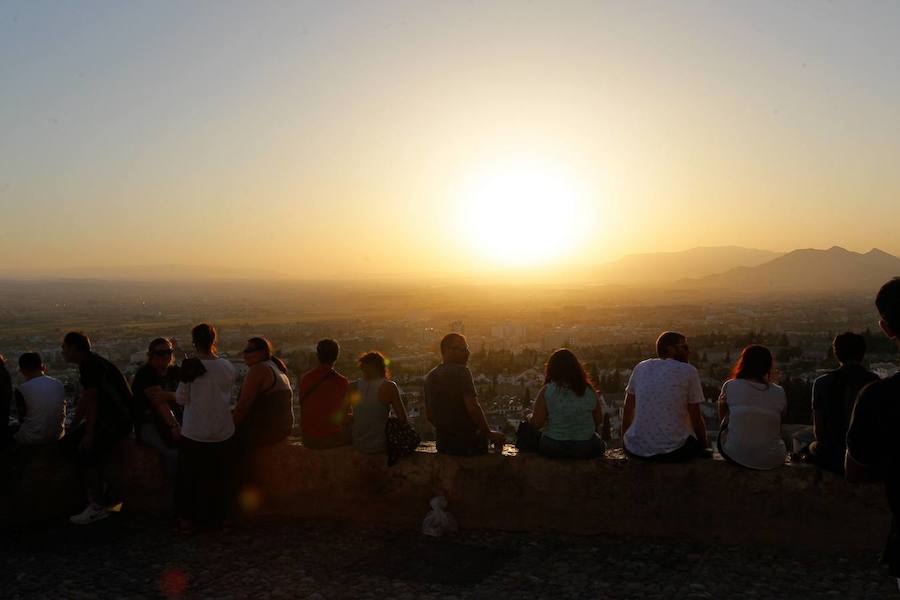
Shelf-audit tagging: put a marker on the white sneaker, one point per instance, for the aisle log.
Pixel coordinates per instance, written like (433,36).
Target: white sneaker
(91,514)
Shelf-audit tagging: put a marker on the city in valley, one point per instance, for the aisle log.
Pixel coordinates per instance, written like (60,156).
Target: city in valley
(511,330)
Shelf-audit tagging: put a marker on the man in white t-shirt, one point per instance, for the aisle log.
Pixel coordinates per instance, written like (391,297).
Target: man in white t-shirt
(41,402)
(662,418)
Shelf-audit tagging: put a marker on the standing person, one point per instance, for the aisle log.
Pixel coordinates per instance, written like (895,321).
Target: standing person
(41,402)
(568,409)
(156,413)
(751,407)
(833,397)
(374,395)
(661,419)
(6,396)
(451,403)
(203,483)
(873,446)
(324,414)
(104,415)
(263,414)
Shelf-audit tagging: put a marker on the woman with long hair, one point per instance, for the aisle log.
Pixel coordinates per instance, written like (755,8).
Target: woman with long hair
(751,407)
(372,397)
(157,416)
(202,492)
(568,409)
(263,414)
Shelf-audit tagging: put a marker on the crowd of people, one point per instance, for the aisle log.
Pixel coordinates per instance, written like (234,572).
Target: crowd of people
(205,439)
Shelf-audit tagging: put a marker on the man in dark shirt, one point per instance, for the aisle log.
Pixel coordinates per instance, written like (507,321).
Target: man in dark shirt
(451,403)
(834,395)
(105,409)
(873,446)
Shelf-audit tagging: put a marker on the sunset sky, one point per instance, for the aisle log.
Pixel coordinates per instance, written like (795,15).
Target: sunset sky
(373,138)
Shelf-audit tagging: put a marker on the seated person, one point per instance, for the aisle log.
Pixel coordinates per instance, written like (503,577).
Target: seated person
(451,403)
(834,395)
(751,407)
(263,414)
(324,415)
(568,409)
(41,402)
(157,416)
(661,419)
(372,398)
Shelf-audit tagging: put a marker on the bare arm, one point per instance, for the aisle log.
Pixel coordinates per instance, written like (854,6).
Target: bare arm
(722,405)
(698,424)
(476,414)
(159,399)
(389,395)
(628,412)
(539,410)
(258,376)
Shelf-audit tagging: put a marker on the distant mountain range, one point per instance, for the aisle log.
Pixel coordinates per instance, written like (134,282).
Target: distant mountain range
(835,269)
(666,267)
(144,273)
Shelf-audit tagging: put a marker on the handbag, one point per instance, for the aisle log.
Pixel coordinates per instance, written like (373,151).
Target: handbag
(402,439)
(528,438)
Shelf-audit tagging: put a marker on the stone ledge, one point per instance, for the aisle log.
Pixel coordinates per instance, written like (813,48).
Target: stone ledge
(704,500)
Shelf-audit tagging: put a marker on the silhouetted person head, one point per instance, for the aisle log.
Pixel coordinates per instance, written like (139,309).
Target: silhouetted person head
(454,349)
(888,303)
(327,351)
(564,369)
(31,365)
(204,338)
(671,344)
(849,348)
(75,347)
(755,363)
(260,349)
(374,365)
(160,354)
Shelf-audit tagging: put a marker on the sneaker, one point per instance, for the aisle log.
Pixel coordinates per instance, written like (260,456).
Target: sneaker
(91,514)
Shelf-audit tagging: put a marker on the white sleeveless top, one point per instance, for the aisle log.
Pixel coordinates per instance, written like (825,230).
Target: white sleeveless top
(753,438)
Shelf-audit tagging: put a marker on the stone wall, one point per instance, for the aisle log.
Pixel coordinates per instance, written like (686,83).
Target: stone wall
(705,500)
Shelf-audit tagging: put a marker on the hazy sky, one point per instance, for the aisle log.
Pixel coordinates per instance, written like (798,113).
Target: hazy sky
(360,137)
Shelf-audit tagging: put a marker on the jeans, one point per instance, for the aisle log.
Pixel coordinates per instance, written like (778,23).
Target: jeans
(149,436)
(589,448)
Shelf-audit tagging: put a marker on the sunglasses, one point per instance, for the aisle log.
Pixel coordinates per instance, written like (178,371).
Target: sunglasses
(251,350)
(164,352)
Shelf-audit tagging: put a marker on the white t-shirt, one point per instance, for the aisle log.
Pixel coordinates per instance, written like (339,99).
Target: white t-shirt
(753,438)
(45,411)
(663,388)
(207,403)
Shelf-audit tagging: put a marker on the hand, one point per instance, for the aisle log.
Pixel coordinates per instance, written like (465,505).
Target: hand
(497,438)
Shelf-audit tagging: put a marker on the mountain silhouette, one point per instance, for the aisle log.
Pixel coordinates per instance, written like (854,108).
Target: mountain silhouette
(667,267)
(834,269)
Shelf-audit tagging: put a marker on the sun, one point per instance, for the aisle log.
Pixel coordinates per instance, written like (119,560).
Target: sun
(523,214)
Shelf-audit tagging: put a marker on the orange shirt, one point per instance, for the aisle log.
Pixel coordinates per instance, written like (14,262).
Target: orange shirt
(322,412)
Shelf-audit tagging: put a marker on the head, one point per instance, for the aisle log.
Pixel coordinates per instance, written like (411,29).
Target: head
(160,354)
(849,348)
(671,344)
(564,369)
(888,303)
(454,349)
(374,365)
(327,351)
(204,337)
(257,350)
(75,347)
(755,362)
(31,365)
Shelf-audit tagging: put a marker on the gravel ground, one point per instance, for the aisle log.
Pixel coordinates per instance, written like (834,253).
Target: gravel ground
(135,557)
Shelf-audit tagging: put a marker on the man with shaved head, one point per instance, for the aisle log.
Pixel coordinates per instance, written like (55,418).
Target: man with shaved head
(451,403)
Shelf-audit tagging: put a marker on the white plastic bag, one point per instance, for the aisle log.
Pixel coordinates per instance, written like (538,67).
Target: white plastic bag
(438,521)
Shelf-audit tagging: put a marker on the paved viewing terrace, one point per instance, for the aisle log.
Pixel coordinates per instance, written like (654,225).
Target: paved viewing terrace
(339,524)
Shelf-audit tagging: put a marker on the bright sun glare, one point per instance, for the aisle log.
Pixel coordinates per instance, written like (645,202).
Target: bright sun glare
(524,214)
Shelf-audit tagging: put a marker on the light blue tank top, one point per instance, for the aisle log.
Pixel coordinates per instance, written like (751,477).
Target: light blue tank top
(569,417)
(369,417)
